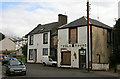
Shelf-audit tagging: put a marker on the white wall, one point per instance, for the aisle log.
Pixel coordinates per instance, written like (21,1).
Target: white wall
(63,39)
(38,44)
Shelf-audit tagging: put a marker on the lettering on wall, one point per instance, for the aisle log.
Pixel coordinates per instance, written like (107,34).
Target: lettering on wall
(73,45)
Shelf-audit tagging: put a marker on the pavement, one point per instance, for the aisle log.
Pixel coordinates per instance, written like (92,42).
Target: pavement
(109,73)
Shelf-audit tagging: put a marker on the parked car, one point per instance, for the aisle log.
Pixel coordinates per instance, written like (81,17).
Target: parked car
(47,60)
(2,56)
(5,60)
(15,67)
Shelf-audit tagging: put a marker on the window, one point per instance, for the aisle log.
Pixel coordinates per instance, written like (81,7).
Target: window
(31,40)
(73,35)
(30,54)
(45,38)
(108,37)
(45,51)
(98,58)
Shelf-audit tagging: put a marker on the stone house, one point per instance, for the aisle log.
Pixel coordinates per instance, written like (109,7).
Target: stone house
(42,40)
(72,45)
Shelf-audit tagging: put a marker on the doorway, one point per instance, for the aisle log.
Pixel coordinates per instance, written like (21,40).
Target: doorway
(35,52)
(66,58)
(82,58)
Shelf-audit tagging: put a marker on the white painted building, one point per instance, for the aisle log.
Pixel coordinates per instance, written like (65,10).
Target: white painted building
(72,45)
(119,9)
(38,48)
(42,40)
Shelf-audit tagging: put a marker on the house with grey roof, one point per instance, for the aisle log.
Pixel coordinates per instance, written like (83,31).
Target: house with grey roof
(2,36)
(7,46)
(72,45)
(19,43)
(42,40)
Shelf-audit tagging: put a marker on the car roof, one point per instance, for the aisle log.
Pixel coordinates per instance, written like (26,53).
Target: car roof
(13,58)
(2,55)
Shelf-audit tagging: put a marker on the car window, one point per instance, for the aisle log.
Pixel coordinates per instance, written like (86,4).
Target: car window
(50,59)
(21,63)
(12,63)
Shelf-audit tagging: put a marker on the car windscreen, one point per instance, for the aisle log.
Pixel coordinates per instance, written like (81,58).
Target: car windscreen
(53,58)
(13,63)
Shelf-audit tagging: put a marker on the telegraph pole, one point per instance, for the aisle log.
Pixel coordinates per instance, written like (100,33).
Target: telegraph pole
(88,34)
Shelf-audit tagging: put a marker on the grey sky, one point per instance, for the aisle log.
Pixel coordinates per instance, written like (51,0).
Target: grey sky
(18,17)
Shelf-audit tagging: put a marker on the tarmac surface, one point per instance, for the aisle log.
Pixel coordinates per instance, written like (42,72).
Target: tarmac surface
(38,71)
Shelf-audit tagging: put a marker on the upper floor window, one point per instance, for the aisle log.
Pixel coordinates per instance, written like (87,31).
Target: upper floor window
(108,37)
(45,38)
(31,40)
(73,35)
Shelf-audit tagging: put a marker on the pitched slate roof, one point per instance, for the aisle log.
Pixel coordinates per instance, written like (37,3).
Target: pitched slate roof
(83,22)
(44,28)
(1,36)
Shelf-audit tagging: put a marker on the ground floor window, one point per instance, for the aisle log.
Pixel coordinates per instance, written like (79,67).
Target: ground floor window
(98,58)
(66,58)
(30,54)
(45,51)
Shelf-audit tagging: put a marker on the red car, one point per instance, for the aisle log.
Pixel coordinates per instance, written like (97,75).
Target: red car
(2,56)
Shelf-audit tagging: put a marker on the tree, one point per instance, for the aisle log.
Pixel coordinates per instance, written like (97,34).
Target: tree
(115,56)
(24,50)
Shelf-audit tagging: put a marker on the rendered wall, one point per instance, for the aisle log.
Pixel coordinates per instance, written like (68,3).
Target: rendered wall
(38,44)
(63,45)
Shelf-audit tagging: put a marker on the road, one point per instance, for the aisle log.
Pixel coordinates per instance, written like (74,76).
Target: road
(38,70)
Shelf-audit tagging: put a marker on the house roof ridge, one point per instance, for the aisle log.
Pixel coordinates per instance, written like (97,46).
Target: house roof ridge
(82,21)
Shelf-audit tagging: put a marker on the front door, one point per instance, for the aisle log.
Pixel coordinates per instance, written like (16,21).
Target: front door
(35,52)
(82,58)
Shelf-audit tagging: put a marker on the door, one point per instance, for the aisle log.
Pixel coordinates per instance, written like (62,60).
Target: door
(35,52)
(82,58)
(66,58)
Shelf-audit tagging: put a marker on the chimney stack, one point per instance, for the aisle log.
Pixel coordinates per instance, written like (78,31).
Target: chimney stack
(62,19)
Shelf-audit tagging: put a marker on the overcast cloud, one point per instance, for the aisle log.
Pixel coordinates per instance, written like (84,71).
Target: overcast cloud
(18,17)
